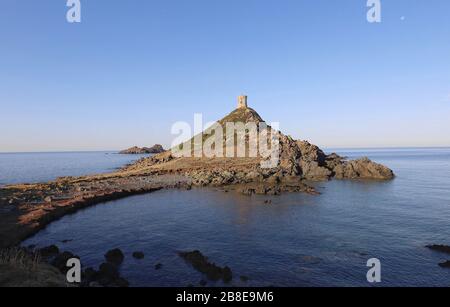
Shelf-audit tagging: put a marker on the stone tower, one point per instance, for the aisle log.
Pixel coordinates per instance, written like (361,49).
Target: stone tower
(242,102)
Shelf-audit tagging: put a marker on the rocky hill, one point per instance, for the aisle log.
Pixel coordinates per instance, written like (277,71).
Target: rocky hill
(299,160)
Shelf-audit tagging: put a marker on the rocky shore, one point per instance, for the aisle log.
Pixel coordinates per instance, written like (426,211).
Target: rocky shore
(28,208)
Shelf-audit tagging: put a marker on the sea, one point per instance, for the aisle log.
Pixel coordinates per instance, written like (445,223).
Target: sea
(292,240)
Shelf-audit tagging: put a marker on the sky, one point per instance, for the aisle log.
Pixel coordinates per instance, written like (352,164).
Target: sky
(131,69)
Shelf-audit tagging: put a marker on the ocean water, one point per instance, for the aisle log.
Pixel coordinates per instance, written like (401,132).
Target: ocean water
(46,166)
(297,240)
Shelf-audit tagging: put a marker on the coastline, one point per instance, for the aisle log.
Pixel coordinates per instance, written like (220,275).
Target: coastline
(27,209)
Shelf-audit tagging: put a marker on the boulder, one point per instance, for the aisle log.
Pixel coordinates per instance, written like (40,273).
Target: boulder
(362,168)
(107,274)
(115,256)
(311,170)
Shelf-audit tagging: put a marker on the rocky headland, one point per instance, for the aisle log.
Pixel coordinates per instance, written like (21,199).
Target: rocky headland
(27,208)
(299,162)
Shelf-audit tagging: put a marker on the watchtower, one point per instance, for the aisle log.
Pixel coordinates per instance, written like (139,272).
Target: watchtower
(242,102)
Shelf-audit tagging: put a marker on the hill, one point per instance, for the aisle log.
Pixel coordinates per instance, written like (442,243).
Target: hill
(298,160)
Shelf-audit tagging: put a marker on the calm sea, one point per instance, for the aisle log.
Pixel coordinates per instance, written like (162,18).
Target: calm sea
(297,240)
(46,166)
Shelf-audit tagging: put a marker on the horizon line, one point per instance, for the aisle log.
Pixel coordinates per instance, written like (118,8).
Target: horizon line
(116,151)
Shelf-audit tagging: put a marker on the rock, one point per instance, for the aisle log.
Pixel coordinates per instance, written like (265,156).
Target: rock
(133,151)
(138,255)
(48,199)
(211,270)
(158,266)
(440,248)
(445,264)
(107,274)
(227,275)
(49,251)
(362,169)
(311,170)
(60,261)
(88,276)
(311,152)
(115,256)
(156,149)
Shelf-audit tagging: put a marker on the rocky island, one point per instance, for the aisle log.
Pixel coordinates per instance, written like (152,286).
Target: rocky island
(155,149)
(28,208)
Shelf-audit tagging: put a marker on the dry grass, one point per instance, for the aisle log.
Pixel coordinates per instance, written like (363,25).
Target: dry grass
(19,258)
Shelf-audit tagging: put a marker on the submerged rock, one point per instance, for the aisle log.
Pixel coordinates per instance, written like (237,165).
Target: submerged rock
(115,256)
(107,274)
(138,255)
(440,248)
(445,264)
(211,270)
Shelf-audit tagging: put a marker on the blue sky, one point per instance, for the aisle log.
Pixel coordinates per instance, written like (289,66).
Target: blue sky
(131,69)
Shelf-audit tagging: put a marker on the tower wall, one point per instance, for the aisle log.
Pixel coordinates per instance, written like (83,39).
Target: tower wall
(242,102)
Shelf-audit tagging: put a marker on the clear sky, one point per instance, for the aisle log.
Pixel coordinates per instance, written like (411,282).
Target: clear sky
(131,69)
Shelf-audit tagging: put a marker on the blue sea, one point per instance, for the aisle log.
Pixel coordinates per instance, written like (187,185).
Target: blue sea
(46,166)
(296,240)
